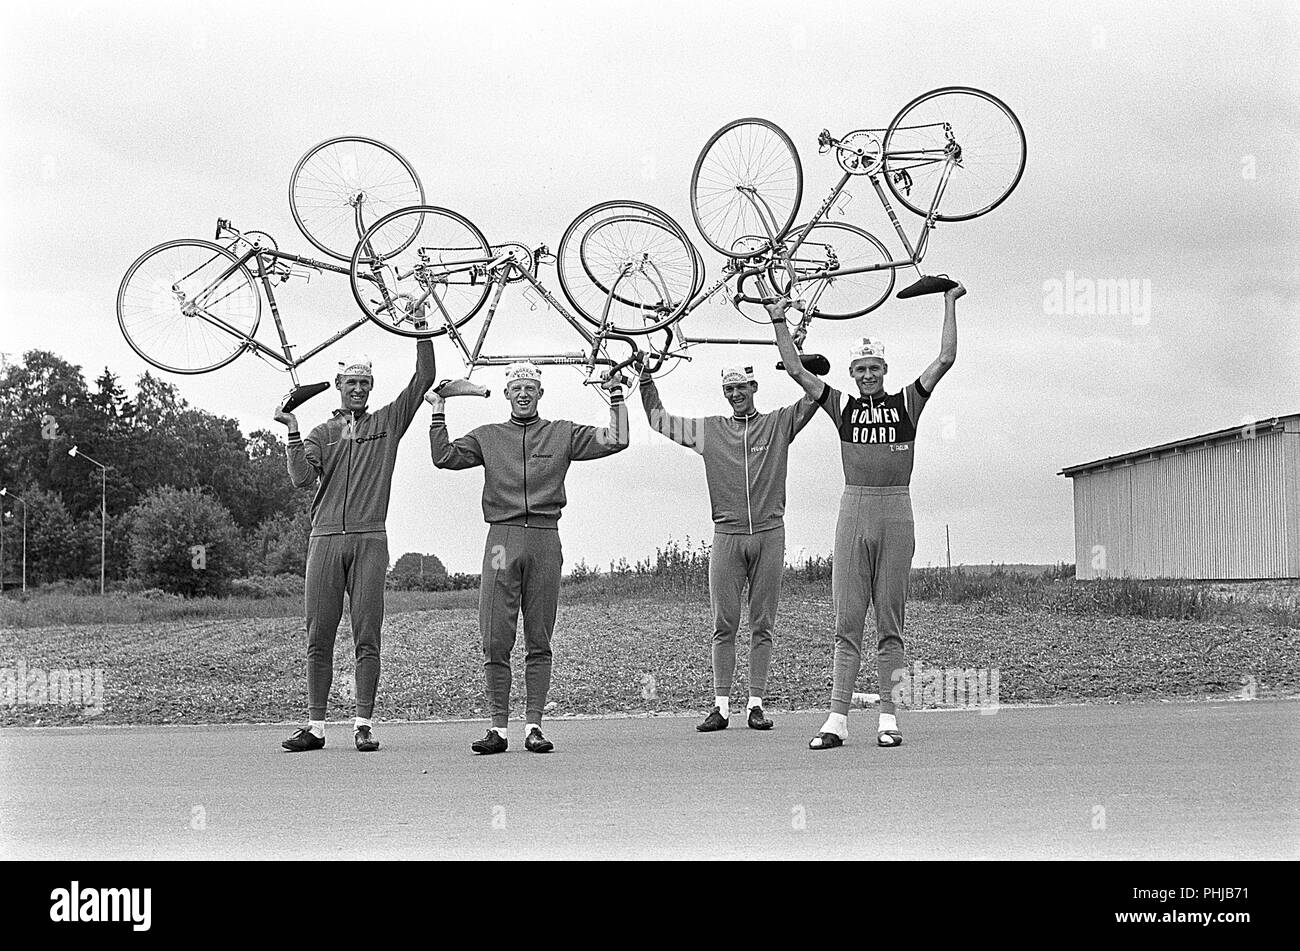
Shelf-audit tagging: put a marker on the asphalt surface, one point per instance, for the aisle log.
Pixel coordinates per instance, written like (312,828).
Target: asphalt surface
(1199,781)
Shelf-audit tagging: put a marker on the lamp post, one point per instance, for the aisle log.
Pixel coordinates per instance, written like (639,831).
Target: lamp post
(18,498)
(103,510)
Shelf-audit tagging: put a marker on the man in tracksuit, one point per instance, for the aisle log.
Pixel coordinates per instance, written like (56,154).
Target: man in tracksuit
(874,535)
(524,462)
(744,457)
(352,454)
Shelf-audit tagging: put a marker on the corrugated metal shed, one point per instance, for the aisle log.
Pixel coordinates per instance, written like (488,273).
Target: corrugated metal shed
(1223,505)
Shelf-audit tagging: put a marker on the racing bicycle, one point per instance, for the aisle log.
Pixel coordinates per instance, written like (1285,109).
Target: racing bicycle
(193,306)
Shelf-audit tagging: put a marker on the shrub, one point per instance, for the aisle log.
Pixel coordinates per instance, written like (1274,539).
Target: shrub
(184,542)
(258,587)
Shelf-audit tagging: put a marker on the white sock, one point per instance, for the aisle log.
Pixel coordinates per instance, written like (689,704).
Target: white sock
(499,731)
(317,727)
(362,721)
(836,723)
(754,702)
(888,721)
(724,706)
(529,727)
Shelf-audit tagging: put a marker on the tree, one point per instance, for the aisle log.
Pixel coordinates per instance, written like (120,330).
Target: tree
(54,543)
(279,544)
(184,541)
(416,572)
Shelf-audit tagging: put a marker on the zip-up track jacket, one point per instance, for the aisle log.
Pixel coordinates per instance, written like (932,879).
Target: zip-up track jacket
(525,461)
(744,459)
(354,457)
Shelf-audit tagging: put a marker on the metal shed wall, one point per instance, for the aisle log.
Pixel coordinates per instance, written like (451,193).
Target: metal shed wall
(1229,510)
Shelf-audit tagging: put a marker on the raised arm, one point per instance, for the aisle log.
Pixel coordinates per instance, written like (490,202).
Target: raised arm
(303,460)
(591,442)
(682,430)
(948,346)
(463,453)
(408,401)
(811,384)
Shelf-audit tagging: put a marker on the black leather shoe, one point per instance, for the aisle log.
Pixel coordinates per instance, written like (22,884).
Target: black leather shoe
(536,743)
(365,742)
(494,742)
(303,740)
(714,721)
(758,720)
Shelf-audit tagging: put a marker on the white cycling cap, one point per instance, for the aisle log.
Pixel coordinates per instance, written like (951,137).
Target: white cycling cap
(358,366)
(737,374)
(522,371)
(867,348)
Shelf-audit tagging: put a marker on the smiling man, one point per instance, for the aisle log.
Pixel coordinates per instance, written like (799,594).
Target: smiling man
(744,455)
(352,454)
(875,535)
(524,460)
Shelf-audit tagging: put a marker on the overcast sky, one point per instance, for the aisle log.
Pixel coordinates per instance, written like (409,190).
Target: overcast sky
(1161,150)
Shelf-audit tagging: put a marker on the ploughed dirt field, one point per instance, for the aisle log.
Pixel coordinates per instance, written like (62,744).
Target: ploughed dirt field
(620,653)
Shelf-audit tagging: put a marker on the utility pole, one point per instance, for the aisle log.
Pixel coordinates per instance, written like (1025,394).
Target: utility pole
(18,498)
(103,510)
(948,539)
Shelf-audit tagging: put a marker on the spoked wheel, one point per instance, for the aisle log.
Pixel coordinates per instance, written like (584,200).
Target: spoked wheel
(634,260)
(188,306)
(446,266)
(347,180)
(830,249)
(970,132)
(747,181)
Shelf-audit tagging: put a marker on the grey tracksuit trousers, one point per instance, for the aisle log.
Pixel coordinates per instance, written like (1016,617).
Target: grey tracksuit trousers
(734,561)
(874,541)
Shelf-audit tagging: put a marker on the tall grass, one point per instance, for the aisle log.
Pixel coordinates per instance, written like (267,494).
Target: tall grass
(679,571)
(60,610)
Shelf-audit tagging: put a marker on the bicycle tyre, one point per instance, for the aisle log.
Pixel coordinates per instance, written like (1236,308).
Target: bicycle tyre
(753,151)
(326,180)
(152,320)
(852,295)
(462,298)
(675,260)
(997,151)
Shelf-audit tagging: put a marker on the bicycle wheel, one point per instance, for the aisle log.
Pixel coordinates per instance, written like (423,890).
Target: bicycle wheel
(447,263)
(345,180)
(631,258)
(188,306)
(747,181)
(832,247)
(967,130)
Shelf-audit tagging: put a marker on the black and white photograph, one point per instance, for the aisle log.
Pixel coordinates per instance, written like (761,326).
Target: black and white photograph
(691,431)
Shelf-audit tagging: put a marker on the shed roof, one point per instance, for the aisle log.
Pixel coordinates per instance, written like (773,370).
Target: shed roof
(1290,424)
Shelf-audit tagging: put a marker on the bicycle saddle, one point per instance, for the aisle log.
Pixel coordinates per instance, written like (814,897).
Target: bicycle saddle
(301,394)
(814,363)
(926,285)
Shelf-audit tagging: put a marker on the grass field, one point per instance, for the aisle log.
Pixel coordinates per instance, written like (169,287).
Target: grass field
(630,643)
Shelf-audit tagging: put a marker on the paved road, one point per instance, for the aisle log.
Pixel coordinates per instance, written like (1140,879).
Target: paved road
(1207,780)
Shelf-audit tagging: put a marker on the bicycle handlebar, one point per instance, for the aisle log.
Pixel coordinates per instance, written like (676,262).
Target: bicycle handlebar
(740,297)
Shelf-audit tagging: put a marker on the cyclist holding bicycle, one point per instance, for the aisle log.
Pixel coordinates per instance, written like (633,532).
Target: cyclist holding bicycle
(874,536)
(745,455)
(352,454)
(524,460)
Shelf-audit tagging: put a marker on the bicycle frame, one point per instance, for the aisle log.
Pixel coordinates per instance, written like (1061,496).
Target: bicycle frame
(501,269)
(785,253)
(267,266)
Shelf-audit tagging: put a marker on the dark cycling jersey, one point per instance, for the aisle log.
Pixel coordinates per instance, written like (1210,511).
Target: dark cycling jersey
(877,434)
